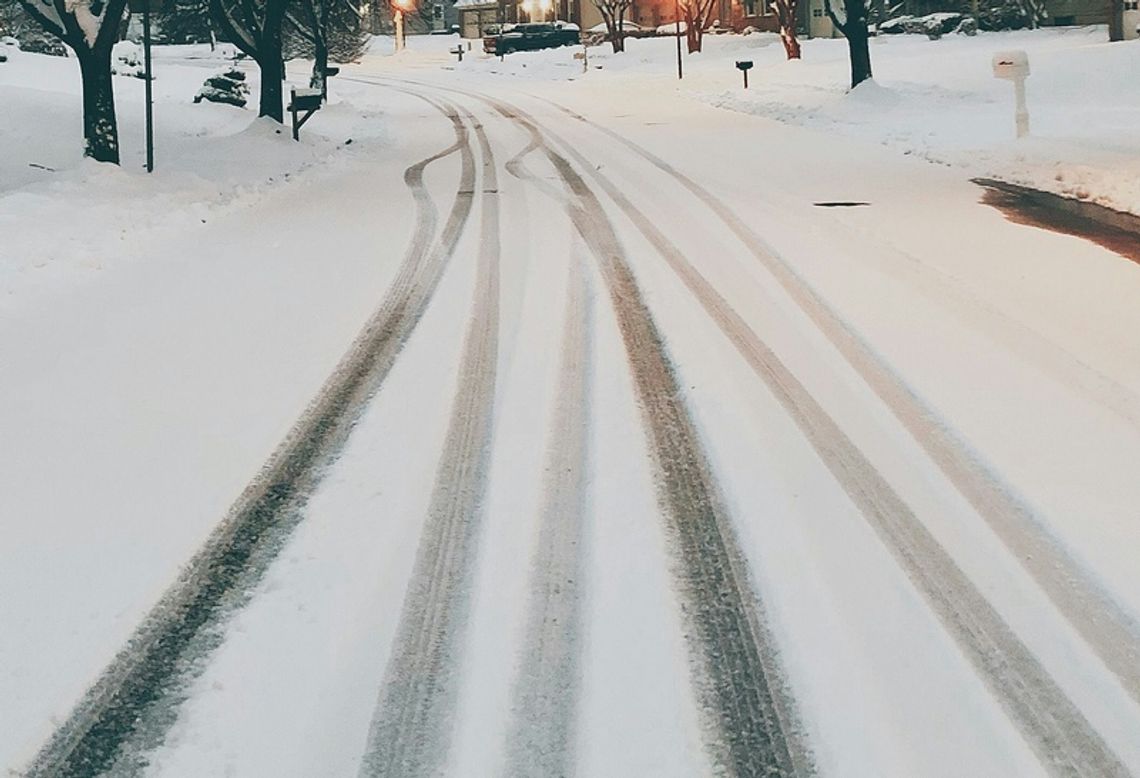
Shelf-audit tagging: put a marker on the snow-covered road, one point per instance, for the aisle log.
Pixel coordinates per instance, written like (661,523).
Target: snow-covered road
(640,464)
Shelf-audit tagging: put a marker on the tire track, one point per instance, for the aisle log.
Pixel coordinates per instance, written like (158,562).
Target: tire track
(411,729)
(135,699)
(540,743)
(751,727)
(1110,630)
(1055,729)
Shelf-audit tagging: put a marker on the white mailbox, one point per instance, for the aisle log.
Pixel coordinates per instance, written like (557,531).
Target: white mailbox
(1011,65)
(1014,66)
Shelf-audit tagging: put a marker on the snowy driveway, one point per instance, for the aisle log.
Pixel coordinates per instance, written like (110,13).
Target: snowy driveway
(643,465)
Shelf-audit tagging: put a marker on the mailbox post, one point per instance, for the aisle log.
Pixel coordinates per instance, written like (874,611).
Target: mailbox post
(1014,66)
(303,100)
(145,7)
(744,66)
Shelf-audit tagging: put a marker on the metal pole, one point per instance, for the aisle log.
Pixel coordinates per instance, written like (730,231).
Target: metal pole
(677,19)
(149,101)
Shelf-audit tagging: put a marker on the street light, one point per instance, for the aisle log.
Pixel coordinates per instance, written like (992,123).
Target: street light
(535,8)
(398,8)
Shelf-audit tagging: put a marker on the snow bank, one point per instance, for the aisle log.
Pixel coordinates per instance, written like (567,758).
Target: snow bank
(209,159)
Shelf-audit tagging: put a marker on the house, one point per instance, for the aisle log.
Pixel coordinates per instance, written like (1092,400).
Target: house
(476,15)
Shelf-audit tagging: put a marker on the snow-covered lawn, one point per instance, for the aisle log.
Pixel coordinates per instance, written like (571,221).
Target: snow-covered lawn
(63,219)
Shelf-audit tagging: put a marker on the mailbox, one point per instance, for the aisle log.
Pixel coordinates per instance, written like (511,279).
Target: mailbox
(1014,66)
(744,65)
(1011,65)
(307,100)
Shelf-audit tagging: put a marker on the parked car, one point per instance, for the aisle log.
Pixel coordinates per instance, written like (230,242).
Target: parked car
(530,36)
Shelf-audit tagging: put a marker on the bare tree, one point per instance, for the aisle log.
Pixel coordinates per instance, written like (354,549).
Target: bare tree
(698,17)
(786,17)
(90,28)
(324,30)
(255,27)
(854,28)
(613,14)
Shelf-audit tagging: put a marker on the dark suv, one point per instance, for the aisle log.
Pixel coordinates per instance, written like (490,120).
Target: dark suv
(531,36)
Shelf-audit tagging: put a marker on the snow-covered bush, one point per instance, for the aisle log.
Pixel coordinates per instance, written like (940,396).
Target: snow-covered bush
(228,87)
(38,43)
(128,60)
(933,26)
(968,26)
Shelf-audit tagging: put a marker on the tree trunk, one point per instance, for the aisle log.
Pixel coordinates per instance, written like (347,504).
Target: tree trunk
(786,15)
(692,33)
(271,100)
(319,79)
(270,62)
(616,27)
(860,52)
(791,45)
(100,128)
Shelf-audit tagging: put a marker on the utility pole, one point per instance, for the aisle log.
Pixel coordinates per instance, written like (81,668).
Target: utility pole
(145,7)
(149,91)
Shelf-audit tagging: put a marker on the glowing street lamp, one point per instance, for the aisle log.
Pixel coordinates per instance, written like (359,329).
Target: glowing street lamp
(398,8)
(536,10)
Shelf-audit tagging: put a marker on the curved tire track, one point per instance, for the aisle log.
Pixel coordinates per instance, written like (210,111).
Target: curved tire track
(752,729)
(545,696)
(411,728)
(134,700)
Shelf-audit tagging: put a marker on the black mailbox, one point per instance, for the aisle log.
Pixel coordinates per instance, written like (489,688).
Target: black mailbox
(306,100)
(744,65)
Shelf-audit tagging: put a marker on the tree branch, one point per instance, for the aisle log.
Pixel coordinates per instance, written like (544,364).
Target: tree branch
(834,19)
(109,23)
(51,25)
(239,36)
